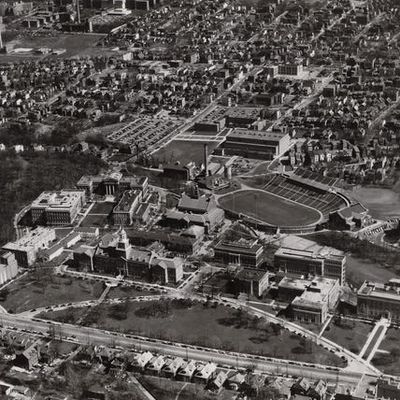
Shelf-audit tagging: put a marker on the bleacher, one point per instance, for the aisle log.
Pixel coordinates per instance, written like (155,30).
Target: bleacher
(313,176)
(317,197)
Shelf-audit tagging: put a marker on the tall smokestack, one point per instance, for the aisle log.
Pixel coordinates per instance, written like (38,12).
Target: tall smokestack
(1,28)
(206,158)
(78,11)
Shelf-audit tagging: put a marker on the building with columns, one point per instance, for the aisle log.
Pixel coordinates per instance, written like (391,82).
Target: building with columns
(111,184)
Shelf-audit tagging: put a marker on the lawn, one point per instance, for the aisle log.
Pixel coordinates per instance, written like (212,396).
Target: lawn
(183,151)
(352,335)
(42,290)
(95,221)
(269,208)
(102,208)
(359,270)
(202,325)
(387,358)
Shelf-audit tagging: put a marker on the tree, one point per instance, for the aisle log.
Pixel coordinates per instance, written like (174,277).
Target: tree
(268,393)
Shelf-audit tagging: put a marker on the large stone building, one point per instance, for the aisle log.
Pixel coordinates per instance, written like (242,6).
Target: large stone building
(251,281)
(376,300)
(201,211)
(115,255)
(129,202)
(26,248)
(263,145)
(111,184)
(243,252)
(315,261)
(311,300)
(57,208)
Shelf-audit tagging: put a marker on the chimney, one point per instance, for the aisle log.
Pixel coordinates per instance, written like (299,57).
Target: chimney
(1,28)
(206,159)
(78,12)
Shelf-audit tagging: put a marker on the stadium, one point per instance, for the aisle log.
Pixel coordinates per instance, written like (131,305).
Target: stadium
(291,203)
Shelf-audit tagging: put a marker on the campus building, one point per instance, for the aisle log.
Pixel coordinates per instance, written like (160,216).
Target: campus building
(349,218)
(376,300)
(311,300)
(262,145)
(57,208)
(123,212)
(115,256)
(315,261)
(110,184)
(8,266)
(251,281)
(28,246)
(243,252)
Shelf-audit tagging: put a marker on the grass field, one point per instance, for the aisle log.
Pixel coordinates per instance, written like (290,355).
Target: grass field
(359,270)
(269,208)
(41,291)
(183,151)
(102,208)
(381,202)
(352,335)
(95,221)
(387,358)
(221,327)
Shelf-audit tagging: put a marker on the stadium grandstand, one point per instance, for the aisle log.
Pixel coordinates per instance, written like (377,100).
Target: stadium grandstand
(307,174)
(307,190)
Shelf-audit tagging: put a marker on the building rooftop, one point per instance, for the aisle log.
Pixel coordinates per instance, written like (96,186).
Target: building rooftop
(317,285)
(31,239)
(127,200)
(388,291)
(250,274)
(261,135)
(63,199)
(250,246)
(295,246)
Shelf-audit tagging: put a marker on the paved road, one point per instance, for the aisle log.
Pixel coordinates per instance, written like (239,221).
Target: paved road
(86,335)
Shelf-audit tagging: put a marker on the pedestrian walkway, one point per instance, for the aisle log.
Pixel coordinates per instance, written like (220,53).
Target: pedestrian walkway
(374,339)
(326,323)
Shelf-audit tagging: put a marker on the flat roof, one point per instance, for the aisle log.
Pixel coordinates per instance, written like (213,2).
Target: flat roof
(32,238)
(62,199)
(242,245)
(380,290)
(251,274)
(262,135)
